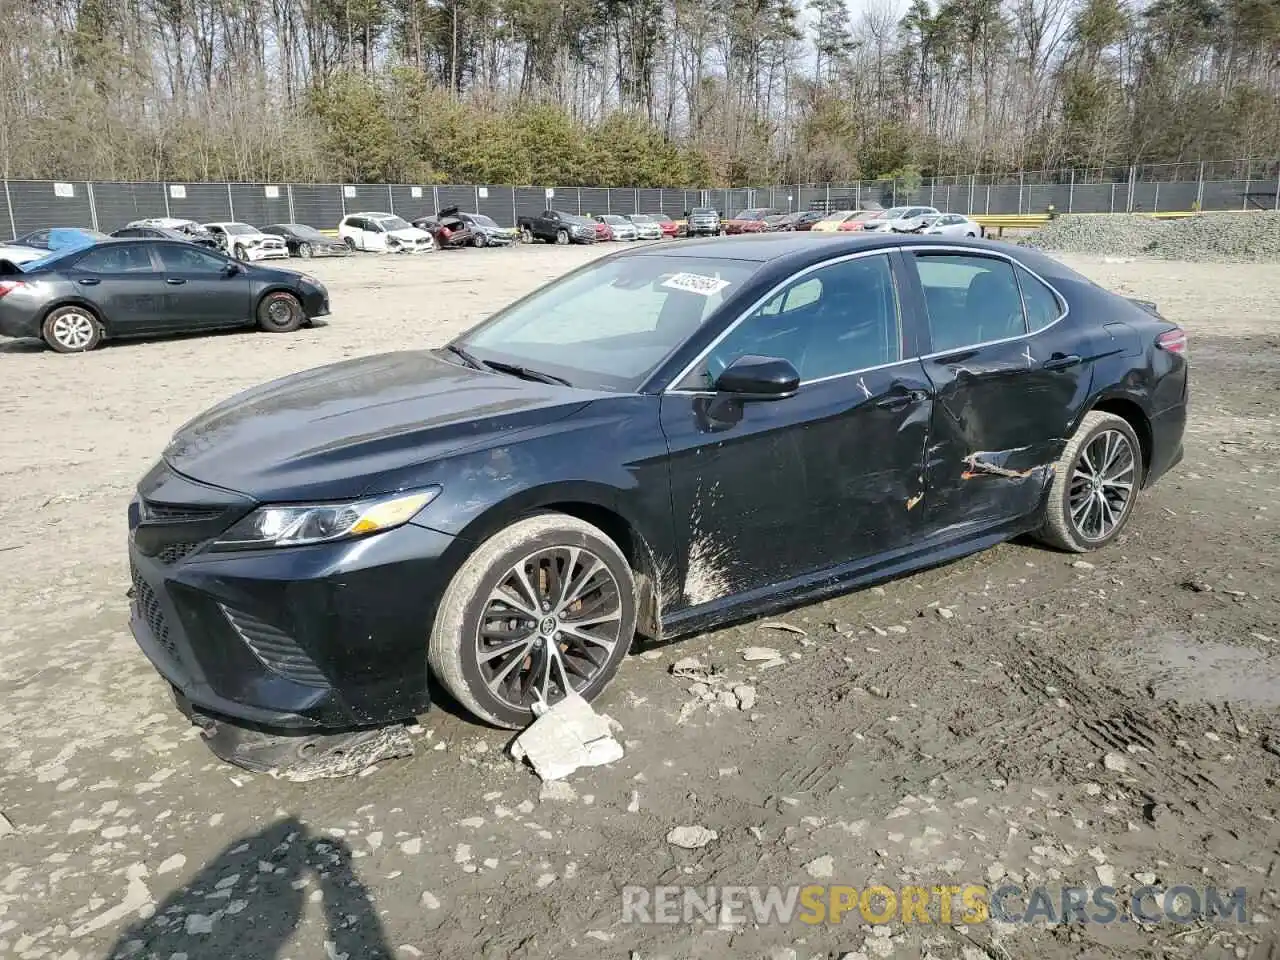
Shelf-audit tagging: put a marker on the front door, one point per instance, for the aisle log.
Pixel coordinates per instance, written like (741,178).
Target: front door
(1009,380)
(201,292)
(765,491)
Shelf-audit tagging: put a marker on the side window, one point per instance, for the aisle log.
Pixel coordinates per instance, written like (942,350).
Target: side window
(833,321)
(131,258)
(1042,303)
(971,299)
(129,232)
(185,259)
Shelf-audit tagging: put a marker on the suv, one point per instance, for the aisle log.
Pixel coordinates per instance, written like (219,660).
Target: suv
(703,222)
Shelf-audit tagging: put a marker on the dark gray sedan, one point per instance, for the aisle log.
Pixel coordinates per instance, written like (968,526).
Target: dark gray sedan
(74,299)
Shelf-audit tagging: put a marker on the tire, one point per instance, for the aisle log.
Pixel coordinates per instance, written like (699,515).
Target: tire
(72,329)
(480,240)
(304,251)
(351,243)
(280,312)
(1068,525)
(526,235)
(455,646)
(562,237)
(240,254)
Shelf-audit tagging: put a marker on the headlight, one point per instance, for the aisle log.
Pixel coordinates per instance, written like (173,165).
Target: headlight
(294,525)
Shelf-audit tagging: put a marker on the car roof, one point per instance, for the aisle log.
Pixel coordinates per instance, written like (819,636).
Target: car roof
(803,249)
(372,213)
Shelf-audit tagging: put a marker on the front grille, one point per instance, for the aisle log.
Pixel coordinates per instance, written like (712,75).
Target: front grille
(149,608)
(175,552)
(155,512)
(275,648)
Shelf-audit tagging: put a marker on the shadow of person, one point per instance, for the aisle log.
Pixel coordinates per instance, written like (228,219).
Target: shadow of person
(248,902)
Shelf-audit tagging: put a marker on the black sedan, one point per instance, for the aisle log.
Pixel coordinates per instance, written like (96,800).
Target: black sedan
(660,441)
(150,232)
(304,241)
(73,300)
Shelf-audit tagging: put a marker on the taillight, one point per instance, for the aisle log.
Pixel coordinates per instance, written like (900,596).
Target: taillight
(8,286)
(1174,341)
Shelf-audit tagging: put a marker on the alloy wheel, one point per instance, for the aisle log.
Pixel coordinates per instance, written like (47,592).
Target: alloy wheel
(1101,488)
(549,626)
(74,331)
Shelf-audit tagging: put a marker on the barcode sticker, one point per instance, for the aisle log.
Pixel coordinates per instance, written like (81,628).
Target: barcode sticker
(695,283)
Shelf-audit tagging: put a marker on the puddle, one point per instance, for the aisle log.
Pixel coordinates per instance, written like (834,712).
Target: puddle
(1181,668)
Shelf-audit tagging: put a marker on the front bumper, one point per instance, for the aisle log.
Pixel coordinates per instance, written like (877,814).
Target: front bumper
(332,636)
(266,253)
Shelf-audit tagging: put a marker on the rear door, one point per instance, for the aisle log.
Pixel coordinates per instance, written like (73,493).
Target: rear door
(1010,376)
(767,491)
(201,293)
(124,282)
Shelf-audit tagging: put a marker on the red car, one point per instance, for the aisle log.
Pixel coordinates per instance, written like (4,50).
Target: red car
(748,221)
(669,227)
(602,231)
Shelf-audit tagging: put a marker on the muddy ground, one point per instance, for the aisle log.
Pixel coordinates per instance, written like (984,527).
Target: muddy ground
(907,746)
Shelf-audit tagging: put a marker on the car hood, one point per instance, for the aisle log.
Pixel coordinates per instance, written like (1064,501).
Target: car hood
(352,428)
(409,233)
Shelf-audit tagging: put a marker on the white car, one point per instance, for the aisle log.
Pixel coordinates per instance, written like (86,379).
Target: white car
(18,254)
(621,227)
(383,232)
(646,227)
(244,242)
(900,219)
(951,225)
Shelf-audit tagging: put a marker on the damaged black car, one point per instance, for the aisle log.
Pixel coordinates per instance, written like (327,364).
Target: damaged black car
(661,441)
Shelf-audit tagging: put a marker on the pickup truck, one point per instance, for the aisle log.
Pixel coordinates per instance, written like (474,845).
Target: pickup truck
(556,227)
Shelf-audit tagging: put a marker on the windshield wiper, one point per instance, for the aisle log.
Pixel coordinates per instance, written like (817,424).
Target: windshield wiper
(465,357)
(526,373)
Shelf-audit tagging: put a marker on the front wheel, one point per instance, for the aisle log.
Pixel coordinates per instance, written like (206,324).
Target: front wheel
(280,312)
(351,243)
(526,235)
(562,237)
(240,253)
(304,251)
(541,608)
(480,240)
(1095,485)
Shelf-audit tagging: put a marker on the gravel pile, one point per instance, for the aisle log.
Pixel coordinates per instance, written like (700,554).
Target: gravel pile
(1220,237)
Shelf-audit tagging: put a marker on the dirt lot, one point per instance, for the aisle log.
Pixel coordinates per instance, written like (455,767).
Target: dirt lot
(908,746)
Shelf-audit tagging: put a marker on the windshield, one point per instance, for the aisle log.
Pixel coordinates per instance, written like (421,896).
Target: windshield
(640,218)
(51,260)
(865,215)
(660,217)
(610,324)
(704,212)
(393,223)
(482,220)
(238,229)
(614,219)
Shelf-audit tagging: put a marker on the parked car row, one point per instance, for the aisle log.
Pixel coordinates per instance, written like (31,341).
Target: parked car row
(555,226)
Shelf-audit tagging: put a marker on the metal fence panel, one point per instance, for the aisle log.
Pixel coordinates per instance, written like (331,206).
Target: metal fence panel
(260,203)
(201,202)
(532,201)
(499,203)
(1004,198)
(673,203)
(648,200)
(1037,198)
(414,201)
(120,203)
(1178,196)
(46,203)
(594,200)
(622,200)
(318,205)
(1223,195)
(365,198)
(464,198)
(1089,198)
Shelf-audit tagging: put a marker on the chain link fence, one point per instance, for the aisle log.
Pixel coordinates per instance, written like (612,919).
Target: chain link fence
(1151,188)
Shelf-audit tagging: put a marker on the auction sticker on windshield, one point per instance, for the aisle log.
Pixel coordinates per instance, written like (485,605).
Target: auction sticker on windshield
(695,283)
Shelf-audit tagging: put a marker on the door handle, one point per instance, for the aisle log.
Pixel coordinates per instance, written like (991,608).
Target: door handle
(174,280)
(88,281)
(900,399)
(1060,362)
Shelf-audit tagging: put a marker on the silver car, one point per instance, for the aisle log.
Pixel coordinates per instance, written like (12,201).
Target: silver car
(951,225)
(623,229)
(900,219)
(646,228)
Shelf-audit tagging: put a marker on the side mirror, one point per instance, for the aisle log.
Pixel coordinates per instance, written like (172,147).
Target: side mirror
(759,378)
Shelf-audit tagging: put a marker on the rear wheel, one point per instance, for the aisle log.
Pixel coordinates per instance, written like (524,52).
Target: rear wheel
(480,240)
(1095,485)
(280,312)
(72,329)
(541,608)
(526,235)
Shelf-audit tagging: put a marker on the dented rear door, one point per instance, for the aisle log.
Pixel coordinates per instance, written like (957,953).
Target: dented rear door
(1007,389)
